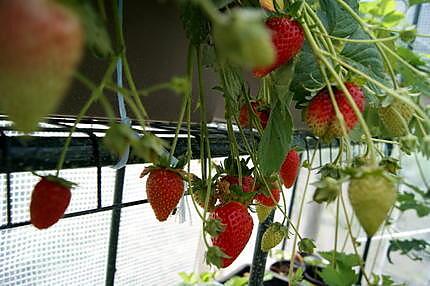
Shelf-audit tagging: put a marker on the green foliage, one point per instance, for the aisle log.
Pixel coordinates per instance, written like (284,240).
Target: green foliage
(341,273)
(237,281)
(338,21)
(276,140)
(195,23)
(407,201)
(382,12)
(307,75)
(384,280)
(410,248)
(297,277)
(366,58)
(189,279)
(307,246)
(417,2)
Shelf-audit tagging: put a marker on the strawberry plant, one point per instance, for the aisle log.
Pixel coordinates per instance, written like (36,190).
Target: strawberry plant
(344,65)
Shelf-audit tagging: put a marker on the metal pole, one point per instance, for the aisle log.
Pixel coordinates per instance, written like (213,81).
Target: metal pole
(365,254)
(114,228)
(258,266)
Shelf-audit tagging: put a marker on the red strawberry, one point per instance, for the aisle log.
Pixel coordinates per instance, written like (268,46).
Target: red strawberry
(290,168)
(261,112)
(49,200)
(248,183)
(237,231)
(287,37)
(41,44)
(321,117)
(164,189)
(229,189)
(267,200)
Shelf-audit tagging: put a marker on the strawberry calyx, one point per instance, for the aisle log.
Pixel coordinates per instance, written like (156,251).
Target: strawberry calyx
(57,180)
(183,174)
(231,167)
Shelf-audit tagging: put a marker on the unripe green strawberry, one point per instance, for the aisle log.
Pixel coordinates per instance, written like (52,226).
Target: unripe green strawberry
(273,235)
(263,212)
(372,194)
(396,117)
(41,44)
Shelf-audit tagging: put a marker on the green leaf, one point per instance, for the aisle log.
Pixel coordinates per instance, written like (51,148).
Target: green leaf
(417,2)
(407,201)
(408,247)
(237,281)
(366,58)
(339,276)
(347,260)
(339,22)
(307,74)
(195,23)
(276,140)
(410,56)
(297,277)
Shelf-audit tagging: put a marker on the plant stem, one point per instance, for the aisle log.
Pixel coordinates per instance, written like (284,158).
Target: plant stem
(354,246)
(359,41)
(290,272)
(336,232)
(317,51)
(185,100)
(378,45)
(381,86)
(94,95)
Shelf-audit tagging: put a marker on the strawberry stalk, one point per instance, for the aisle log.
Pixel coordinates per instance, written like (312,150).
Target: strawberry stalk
(205,151)
(299,218)
(353,242)
(95,94)
(326,63)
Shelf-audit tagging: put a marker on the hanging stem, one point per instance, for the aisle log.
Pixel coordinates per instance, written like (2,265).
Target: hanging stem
(95,94)
(354,246)
(290,272)
(185,101)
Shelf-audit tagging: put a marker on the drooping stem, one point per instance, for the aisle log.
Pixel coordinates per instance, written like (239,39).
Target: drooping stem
(95,94)
(185,100)
(354,246)
(299,218)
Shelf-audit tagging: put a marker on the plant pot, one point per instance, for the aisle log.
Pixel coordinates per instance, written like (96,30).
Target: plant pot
(281,268)
(311,275)
(241,271)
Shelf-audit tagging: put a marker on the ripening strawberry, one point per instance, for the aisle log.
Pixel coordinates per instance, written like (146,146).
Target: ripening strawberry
(261,112)
(269,201)
(320,114)
(396,117)
(229,189)
(41,44)
(164,189)
(49,200)
(238,226)
(287,37)
(372,194)
(290,168)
